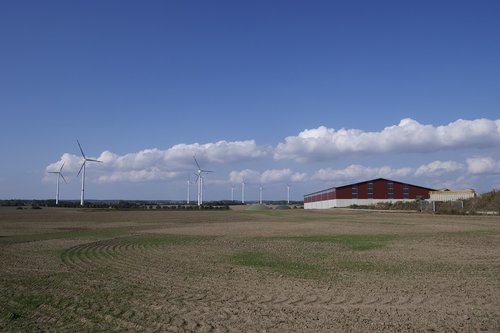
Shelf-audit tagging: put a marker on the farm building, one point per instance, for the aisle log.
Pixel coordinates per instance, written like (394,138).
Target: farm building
(369,192)
(447,195)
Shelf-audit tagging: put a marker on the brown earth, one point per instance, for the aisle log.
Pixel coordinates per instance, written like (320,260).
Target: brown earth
(253,271)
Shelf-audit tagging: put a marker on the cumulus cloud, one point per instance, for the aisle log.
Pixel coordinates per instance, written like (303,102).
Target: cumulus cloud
(72,164)
(483,165)
(137,175)
(438,168)
(356,172)
(181,155)
(267,176)
(324,143)
(157,164)
(246,175)
(359,172)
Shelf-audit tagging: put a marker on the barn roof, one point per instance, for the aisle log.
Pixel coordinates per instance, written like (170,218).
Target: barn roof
(389,180)
(368,181)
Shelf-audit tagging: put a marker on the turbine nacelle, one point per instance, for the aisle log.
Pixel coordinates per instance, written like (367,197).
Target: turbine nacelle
(59,173)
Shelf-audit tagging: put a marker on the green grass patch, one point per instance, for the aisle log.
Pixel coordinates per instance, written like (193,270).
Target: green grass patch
(163,239)
(77,234)
(262,260)
(354,242)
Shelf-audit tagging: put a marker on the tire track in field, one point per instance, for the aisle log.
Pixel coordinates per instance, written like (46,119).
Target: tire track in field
(130,259)
(207,309)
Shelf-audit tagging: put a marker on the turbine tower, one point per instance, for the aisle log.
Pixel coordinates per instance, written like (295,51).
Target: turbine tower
(199,180)
(85,160)
(243,191)
(288,194)
(59,175)
(188,186)
(232,192)
(260,194)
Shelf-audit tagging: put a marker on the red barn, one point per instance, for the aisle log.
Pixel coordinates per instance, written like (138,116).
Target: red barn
(365,193)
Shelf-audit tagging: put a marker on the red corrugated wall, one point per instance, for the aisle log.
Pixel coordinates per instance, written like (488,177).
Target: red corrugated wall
(379,191)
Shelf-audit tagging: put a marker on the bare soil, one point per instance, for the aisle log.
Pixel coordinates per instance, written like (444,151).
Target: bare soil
(253,271)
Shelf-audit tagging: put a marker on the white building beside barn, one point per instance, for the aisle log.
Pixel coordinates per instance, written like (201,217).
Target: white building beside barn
(447,195)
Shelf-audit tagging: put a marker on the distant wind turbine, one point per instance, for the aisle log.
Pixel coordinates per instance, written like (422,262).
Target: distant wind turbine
(199,180)
(232,192)
(85,160)
(288,194)
(59,175)
(243,191)
(188,187)
(260,194)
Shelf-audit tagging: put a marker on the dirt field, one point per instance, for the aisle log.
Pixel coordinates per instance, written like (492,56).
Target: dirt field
(254,271)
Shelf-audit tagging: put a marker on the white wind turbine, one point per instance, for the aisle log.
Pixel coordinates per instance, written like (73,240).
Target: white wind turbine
(59,175)
(199,174)
(188,187)
(85,160)
(243,191)
(260,193)
(288,193)
(232,192)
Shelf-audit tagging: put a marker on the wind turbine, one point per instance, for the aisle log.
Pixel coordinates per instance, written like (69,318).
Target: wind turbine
(85,160)
(260,194)
(59,175)
(288,194)
(188,186)
(199,180)
(232,192)
(243,191)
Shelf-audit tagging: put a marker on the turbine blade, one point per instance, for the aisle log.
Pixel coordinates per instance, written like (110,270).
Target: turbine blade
(62,166)
(60,174)
(81,150)
(52,172)
(92,160)
(83,164)
(197,164)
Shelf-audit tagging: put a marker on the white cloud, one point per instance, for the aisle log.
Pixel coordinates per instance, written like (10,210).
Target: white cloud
(72,164)
(246,175)
(157,164)
(137,175)
(409,135)
(220,152)
(298,177)
(482,165)
(359,172)
(267,176)
(438,168)
(181,155)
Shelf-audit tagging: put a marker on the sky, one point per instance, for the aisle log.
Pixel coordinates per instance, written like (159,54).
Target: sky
(309,94)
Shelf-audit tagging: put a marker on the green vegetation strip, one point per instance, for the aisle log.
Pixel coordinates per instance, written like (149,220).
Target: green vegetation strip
(262,260)
(77,234)
(354,242)
(163,239)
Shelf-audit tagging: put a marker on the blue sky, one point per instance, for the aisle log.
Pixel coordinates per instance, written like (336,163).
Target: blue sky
(308,93)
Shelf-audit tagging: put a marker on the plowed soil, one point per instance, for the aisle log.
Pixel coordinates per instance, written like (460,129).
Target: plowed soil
(248,271)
